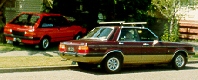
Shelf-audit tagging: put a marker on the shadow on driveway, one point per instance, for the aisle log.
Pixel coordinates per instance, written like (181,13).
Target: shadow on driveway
(30,50)
(37,69)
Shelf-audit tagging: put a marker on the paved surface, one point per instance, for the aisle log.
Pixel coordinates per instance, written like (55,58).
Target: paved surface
(128,73)
(29,53)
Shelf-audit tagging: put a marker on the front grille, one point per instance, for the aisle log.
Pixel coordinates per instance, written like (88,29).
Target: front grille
(17,33)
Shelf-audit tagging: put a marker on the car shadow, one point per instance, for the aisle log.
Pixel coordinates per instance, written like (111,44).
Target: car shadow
(137,69)
(38,69)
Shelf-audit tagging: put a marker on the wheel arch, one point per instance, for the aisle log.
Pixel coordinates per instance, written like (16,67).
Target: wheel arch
(181,52)
(114,52)
(46,36)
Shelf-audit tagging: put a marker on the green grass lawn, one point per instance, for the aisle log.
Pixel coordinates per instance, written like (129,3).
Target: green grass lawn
(8,47)
(32,61)
(29,61)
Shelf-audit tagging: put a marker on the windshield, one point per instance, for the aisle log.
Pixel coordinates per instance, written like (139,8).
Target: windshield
(99,33)
(25,19)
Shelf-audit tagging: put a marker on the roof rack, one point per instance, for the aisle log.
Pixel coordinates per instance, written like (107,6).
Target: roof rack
(140,24)
(123,23)
(120,22)
(136,23)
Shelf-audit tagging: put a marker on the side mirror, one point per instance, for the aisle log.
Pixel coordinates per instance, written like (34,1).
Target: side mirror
(155,42)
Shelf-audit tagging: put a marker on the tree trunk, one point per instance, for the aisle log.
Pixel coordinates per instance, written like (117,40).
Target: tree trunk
(2,21)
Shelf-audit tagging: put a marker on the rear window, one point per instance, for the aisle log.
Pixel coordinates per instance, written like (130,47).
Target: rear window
(99,33)
(25,19)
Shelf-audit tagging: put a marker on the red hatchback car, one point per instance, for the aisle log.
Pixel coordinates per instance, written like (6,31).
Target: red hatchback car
(41,29)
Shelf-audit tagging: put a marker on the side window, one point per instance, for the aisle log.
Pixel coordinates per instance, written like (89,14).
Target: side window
(47,22)
(146,35)
(128,34)
(60,21)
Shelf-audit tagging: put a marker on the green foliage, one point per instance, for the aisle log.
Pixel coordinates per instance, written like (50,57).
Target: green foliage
(165,36)
(168,9)
(172,36)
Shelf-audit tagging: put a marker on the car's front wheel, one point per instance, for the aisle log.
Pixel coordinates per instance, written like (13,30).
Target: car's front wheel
(179,61)
(112,64)
(44,44)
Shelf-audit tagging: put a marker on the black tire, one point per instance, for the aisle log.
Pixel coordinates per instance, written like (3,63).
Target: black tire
(15,43)
(179,61)
(86,66)
(44,44)
(112,64)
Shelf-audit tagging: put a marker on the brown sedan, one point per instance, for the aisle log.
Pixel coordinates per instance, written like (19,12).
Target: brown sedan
(110,47)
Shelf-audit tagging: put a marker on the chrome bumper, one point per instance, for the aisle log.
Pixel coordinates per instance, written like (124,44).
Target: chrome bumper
(80,58)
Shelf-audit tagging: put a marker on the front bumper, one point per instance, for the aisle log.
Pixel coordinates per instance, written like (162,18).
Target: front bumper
(80,58)
(22,39)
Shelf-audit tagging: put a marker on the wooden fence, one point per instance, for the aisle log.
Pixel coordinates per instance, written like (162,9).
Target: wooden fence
(188,30)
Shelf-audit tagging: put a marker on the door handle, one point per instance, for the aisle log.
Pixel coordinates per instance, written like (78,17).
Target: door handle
(121,43)
(145,44)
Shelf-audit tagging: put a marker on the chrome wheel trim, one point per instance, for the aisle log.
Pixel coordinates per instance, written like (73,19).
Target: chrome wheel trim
(77,37)
(179,61)
(113,64)
(45,43)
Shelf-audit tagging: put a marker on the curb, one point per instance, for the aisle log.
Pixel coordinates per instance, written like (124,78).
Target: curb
(192,61)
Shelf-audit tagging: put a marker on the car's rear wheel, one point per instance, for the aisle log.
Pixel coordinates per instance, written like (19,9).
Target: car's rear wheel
(44,44)
(77,37)
(179,61)
(112,64)
(86,66)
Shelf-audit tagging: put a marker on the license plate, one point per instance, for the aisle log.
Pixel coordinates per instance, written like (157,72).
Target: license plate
(70,49)
(16,39)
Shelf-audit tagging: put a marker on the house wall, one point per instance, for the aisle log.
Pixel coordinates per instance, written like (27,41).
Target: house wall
(22,6)
(189,24)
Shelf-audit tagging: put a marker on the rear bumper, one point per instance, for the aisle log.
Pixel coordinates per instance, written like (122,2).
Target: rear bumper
(81,58)
(22,39)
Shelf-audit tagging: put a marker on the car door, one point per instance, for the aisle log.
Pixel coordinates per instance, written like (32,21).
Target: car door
(152,50)
(128,43)
(66,32)
(47,28)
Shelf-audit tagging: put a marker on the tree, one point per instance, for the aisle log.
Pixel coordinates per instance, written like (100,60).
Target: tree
(2,21)
(169,10)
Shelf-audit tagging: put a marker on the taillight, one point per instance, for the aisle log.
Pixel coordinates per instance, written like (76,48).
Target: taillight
(62,48)
(7,30)
(83,49)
